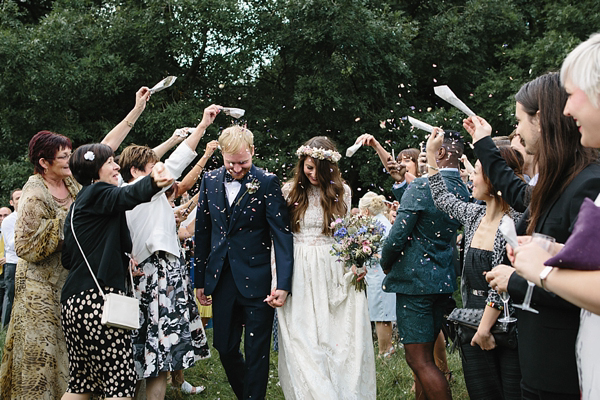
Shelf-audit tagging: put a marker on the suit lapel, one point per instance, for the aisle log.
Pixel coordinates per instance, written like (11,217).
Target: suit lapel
(221,196)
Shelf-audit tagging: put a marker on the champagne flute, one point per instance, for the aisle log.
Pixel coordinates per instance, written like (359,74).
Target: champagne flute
(507,318)
(545,242)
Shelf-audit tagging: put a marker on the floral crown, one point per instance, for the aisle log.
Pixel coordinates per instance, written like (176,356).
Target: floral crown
(320,153)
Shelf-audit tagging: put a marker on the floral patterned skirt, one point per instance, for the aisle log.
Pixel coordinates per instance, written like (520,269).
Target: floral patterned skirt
(171,336)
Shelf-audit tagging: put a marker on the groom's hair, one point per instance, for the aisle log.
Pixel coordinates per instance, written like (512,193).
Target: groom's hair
(236,138)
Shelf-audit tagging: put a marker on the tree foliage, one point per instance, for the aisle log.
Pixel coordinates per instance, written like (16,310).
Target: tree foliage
(299,67)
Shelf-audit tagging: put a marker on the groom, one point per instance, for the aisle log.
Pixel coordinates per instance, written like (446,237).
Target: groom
(241,211)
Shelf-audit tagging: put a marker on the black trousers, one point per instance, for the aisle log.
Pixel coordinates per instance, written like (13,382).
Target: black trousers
(232,312)
(491,374)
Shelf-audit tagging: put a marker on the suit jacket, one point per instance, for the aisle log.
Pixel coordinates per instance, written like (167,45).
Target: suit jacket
(101,228)
(419,248)
(546,340)
(244,239)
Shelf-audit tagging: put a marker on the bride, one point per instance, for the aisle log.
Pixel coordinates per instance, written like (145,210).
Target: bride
(325,342)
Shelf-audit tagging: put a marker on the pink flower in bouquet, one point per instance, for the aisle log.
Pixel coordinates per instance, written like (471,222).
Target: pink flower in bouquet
(366,249)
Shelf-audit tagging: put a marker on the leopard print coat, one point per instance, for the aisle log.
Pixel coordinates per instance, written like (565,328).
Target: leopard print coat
(34,363)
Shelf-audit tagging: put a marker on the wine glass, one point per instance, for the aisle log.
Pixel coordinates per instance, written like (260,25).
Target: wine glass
(545,242)
(507,318)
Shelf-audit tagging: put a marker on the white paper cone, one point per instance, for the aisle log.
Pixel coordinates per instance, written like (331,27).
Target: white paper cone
(420,124)
(165,83)
(352,149)
(234,112)
(507,227)
(447,94)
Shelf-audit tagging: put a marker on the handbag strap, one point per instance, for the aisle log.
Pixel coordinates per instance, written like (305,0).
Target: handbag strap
(86,260)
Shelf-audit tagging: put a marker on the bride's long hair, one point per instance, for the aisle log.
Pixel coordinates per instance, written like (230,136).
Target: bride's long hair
(331,187)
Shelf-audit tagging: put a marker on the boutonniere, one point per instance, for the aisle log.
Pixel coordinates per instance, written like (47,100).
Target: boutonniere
(251,188)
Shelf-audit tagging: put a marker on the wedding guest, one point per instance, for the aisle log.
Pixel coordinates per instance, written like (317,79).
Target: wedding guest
(4,213)
(8,237)
(423,293)
(325,342)
(382,306)
(407,165)
(407,159)
(529,167)
(95,252)
(568,173)
(490,371)
(580,76)
(171,337)
(34,362)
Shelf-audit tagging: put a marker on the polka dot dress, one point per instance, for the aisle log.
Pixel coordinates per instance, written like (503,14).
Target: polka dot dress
(100,357)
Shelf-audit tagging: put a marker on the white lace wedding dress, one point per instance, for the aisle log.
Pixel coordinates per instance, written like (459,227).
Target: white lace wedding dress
(325,341)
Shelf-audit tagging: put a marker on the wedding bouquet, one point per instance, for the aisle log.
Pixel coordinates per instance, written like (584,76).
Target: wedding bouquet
(357,241)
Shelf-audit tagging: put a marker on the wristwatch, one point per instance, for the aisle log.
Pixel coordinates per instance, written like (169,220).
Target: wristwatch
(543,275)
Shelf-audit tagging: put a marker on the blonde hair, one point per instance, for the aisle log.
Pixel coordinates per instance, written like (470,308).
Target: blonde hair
(582,68)
(373,202)
(235,139)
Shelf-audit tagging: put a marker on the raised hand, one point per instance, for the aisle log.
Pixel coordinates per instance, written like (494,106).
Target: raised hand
(210,148)
(209,115)
(367,140)
(161,176)
(141,98)
(477,127)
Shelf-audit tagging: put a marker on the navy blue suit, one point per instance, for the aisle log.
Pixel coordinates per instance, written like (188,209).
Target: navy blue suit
(233,264)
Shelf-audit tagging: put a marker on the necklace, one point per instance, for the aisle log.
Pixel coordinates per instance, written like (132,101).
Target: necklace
(63,202)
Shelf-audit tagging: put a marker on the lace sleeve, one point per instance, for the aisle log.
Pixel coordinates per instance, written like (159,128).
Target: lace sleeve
(39,229)
(286,189)
(348,198)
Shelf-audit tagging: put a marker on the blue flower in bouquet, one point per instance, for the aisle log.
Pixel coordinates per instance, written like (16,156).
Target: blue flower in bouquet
(357,240)
(340,233)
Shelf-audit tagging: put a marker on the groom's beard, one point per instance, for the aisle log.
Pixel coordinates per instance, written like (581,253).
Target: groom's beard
(241,174)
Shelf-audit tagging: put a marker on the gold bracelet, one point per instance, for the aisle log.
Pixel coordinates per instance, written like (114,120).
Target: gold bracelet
(129,124)
(432,167)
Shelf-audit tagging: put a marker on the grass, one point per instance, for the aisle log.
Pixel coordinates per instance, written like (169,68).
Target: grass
(394,378)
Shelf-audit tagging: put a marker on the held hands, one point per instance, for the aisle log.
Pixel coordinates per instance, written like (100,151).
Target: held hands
(141,97)
(484,340)
(276,298)
(210,148)
(477,127)
(161,176)
(202,298)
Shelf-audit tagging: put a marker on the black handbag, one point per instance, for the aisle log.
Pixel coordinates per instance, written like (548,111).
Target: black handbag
(466,322)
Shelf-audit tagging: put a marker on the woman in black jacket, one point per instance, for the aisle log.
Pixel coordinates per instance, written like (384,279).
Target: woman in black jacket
(568,173)
(100,357)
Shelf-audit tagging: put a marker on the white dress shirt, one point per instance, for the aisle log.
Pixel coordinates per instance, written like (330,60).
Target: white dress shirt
(232,189)
(8,234)
(152,225)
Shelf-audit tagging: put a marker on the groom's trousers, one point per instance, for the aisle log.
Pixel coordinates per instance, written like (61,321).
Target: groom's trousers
(233,312)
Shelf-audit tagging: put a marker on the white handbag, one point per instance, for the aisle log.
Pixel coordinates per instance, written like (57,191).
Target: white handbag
(119,311)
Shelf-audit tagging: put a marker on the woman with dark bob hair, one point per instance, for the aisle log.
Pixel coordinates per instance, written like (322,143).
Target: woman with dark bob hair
(100,356)
(568,173)
(34,362)
(491,371)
